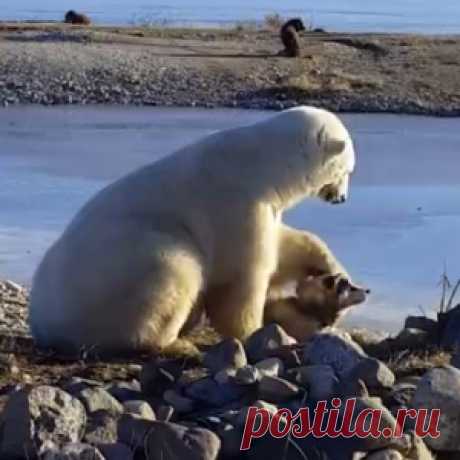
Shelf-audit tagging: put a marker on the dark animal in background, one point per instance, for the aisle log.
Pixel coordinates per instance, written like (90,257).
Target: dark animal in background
(290,38)
(72,17)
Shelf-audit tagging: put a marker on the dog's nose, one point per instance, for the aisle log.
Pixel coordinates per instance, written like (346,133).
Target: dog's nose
(341,199)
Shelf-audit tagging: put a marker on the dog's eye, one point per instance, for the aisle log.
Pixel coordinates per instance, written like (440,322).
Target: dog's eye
(329,282)
(342,286)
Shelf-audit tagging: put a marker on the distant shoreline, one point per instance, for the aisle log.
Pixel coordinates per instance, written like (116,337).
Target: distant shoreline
(52,63)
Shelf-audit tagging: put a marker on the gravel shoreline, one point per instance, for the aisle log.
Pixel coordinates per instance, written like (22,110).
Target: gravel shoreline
(70,65)
(149,408)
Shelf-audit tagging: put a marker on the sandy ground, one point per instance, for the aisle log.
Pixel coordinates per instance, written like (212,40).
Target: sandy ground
(55,64)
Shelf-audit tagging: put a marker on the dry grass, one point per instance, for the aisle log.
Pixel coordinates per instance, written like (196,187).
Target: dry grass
(273,22)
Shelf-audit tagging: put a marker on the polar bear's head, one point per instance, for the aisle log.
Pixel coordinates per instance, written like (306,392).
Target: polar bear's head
(310,154)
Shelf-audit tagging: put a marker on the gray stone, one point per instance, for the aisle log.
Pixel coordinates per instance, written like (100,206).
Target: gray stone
(140,408)
(73,451)
(209,393)
(421,322)
(386,454)
(440,389)
(240,419)
(225,375)
(77,384)
(132,430)
(450,333)
(403,392)
(263,342)
(98,399)
(247,375)
(116,451)
(375,374)
(230,438)
(156,379)
(276,389)
(411,339)
(165,413)
(272,367)
(320,380)
(125,391)
(288,356)
(366,337)
(181,404)
(387,422)
(226,354)
(334,348)
(169,441)
(419,450)
(101,428)
(42,414)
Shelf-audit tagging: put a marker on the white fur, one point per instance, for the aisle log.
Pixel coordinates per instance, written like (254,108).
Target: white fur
(129,268)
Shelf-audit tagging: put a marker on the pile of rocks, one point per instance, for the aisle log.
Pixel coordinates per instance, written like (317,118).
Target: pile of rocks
(171,409)
(175,411)
(13,307)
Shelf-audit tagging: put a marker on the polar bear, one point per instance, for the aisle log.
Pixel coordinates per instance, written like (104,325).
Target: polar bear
(136,259)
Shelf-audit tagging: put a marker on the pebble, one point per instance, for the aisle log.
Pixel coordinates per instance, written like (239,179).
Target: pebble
(139,408)
(276,389)
(227,354)
(263,342)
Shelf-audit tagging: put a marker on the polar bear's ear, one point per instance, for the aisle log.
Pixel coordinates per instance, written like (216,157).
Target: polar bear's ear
(329,145)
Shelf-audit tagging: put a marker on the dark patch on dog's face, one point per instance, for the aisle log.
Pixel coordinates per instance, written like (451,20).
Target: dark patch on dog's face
(330,194)
(296,23)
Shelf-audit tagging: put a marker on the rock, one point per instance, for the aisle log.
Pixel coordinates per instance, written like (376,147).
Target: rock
(102,428)
(334,348)
(375,375)
(165,413)
(42,414)
(422,323)
(247,375)
(271,367)
(155,379)
(98,399)
(230,438)
(276,389)
(180,403)
(320,380)
(139,408)
(132,431)
(403,392)
(386,454)
(226,354)
(366,337)
(77,385)
(225,375)
(411,339)
(13,287)
(289,357)
(387,423)
(209,393)
(240,419)
(169,441)
(73,451)
(116,451)
(450,328)
(263,342)
(125,391)
(455,361)
(439,389)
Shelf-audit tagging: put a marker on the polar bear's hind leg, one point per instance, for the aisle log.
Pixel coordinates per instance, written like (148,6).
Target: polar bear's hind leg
(167,295)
